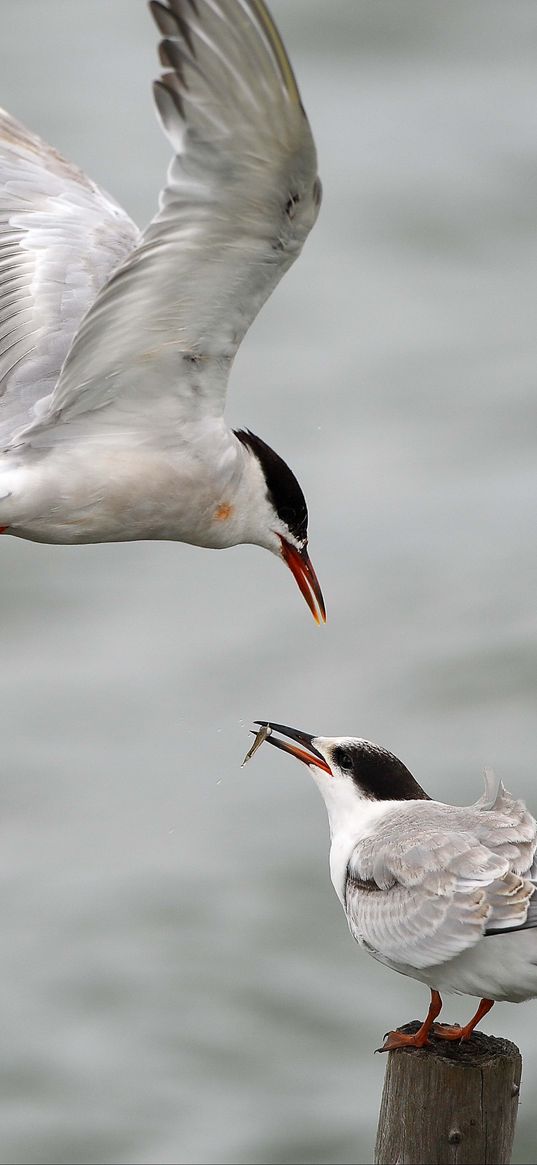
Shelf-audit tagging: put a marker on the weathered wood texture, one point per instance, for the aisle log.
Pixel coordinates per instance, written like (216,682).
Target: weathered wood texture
(449,1103)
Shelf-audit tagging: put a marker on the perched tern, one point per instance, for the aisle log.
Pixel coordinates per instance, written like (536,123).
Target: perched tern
(116,346)
(438,892)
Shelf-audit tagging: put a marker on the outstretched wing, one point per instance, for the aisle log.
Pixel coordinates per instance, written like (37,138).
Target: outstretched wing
(60,239)
(240,199)
(434,879)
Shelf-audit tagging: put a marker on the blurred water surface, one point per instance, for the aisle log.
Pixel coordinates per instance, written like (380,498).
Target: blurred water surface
(177,981)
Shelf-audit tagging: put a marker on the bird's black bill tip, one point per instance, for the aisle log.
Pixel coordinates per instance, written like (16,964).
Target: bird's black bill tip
(306,753)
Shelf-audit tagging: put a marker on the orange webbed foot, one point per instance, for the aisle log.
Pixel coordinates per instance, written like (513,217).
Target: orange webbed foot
(397,1039)
(419,1038)
(449,1031)
(446,1031)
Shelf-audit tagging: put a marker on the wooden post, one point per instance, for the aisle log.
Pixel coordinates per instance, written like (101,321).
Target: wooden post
(449,1103)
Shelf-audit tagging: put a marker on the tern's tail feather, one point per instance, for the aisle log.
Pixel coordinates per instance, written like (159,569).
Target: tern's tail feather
(493,791)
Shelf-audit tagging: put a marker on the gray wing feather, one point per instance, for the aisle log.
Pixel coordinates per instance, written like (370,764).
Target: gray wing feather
(439,877)
(529,923)
(414,928)
(60,238)
(240,199)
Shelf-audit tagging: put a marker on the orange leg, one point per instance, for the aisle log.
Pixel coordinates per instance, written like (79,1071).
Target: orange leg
(463,1033)
(400,1040)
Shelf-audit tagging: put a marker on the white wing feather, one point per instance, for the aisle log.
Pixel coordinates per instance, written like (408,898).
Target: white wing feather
(240,199)
(60,239)
(435,877)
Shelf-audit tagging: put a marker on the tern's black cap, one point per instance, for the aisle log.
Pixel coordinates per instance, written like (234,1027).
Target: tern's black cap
(377,773)
(282,486)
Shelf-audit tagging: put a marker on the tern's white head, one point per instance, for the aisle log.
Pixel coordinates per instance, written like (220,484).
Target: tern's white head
(350,773)
(276,516)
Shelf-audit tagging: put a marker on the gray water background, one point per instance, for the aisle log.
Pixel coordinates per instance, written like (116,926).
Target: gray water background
(177,982)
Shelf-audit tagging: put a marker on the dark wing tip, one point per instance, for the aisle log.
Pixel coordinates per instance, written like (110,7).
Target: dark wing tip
(164,92)
(171,21)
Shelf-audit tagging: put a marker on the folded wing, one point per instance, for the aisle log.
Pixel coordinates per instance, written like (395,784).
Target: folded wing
(436,878)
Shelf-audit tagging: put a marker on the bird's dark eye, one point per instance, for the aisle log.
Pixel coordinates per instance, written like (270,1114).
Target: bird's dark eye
(344,760)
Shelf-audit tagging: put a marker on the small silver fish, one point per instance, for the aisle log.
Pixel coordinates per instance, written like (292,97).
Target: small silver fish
(260,738)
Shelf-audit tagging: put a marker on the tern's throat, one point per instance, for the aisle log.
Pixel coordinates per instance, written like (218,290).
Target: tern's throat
(350,820)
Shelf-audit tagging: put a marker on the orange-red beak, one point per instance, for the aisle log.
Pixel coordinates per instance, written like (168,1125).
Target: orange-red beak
(308,753)
(300,566)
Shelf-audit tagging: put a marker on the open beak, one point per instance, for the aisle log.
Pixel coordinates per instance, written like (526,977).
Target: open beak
(299,564)
(306,752)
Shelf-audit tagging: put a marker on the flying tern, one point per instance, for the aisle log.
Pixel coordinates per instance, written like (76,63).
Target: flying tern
(116,345)
(438,892)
